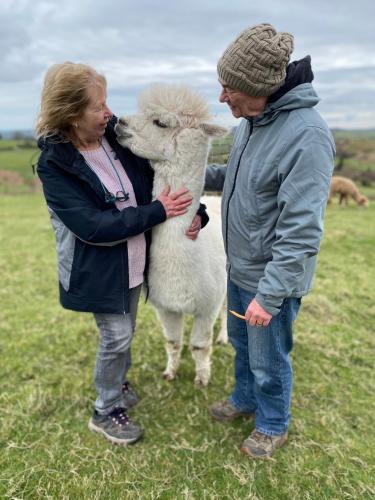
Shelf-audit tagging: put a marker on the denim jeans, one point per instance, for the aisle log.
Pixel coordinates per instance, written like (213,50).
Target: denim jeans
(262,368)
(113,358)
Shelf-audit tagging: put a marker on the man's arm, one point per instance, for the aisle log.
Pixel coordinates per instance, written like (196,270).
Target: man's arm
(215,177)
(306,168)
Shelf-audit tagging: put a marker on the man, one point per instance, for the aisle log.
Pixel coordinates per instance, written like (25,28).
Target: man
(274,197)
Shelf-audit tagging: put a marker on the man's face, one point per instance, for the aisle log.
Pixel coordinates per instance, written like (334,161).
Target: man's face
(241,104)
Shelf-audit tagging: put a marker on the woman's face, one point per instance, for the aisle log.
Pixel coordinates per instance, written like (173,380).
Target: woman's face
(93,122)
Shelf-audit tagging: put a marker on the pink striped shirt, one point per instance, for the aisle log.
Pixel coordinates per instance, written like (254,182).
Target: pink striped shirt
(99,162)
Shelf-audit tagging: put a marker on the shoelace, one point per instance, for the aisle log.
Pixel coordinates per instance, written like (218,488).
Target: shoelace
(126,387)
(120,417)
(258,436)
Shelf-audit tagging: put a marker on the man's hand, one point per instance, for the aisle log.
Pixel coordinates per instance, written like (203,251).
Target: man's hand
(256,316)
(196,226)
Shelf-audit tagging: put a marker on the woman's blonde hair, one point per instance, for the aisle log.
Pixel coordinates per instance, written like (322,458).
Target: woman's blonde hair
(64,98)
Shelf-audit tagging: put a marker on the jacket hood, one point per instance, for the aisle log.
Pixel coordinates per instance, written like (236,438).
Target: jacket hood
(297,72)
(297,92)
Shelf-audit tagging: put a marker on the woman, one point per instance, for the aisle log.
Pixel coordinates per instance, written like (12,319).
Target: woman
(99,199)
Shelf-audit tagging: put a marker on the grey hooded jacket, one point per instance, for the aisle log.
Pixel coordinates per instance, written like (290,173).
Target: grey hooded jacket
(275,190)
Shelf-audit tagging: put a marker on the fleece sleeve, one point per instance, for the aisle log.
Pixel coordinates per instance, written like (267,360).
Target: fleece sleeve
(305,169)
(215,177)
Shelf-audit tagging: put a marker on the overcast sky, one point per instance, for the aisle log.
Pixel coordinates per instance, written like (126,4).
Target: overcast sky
(138,42)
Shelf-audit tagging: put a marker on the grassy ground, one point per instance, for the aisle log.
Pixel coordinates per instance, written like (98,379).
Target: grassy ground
(46,396)
(18,157)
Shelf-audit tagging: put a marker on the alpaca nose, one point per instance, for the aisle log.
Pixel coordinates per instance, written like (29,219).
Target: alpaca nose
(123,122)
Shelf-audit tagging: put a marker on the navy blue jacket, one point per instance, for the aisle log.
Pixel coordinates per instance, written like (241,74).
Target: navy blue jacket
(91,232)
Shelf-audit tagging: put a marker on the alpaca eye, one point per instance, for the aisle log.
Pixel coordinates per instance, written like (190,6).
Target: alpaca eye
(159,124)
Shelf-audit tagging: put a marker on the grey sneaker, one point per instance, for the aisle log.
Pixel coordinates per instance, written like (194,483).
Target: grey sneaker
(130,397)
(259,445)
(224,411)
(116,427)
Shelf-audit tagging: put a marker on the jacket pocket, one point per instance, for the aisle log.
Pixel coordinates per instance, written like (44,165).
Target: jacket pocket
(262,213)
(256,243)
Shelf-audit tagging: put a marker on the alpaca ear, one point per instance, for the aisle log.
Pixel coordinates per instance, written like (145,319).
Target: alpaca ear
(213,130)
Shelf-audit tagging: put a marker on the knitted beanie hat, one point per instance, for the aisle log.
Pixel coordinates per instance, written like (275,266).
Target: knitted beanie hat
(255,62)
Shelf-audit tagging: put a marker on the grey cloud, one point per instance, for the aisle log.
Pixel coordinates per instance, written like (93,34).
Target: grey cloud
(137,42)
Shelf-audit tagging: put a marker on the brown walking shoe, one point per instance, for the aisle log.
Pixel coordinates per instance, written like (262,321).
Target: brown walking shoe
(259,445)
(224,411)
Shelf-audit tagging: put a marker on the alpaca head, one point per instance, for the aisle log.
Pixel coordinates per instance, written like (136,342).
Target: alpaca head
(171,126)
(362,201)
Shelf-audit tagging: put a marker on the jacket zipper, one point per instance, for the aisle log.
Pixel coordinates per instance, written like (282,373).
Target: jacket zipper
(123,279)
(250,120)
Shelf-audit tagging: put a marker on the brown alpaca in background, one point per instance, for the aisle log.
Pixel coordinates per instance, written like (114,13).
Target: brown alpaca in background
(346,188)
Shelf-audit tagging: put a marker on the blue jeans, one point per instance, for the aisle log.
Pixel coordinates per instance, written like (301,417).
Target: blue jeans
(113,358)
(262,368)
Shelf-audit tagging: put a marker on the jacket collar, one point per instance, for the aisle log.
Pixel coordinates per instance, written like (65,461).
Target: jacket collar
(67,157)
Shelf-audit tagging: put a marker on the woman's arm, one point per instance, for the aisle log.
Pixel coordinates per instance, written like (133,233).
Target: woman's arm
(69,200)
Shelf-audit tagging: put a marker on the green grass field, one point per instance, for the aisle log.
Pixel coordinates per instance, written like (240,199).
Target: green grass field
(18,156)
(47,358)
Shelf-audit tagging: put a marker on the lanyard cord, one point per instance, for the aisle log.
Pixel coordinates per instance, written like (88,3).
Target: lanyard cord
(113,166)
(110,197)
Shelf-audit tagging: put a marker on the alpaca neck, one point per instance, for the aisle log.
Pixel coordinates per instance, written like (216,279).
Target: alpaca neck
(191,177)
(356,195)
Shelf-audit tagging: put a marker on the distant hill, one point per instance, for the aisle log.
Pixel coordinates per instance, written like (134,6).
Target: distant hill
(337,132)
(353,134)
(17,134)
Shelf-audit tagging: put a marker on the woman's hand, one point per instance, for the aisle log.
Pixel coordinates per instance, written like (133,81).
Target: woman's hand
(176,203)
(196,225)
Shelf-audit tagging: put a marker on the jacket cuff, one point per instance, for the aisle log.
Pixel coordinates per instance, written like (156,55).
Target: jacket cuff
(159,211)
(203,214)
(269,304)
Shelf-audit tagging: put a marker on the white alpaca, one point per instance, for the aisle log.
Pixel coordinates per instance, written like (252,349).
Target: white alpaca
(185,276)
